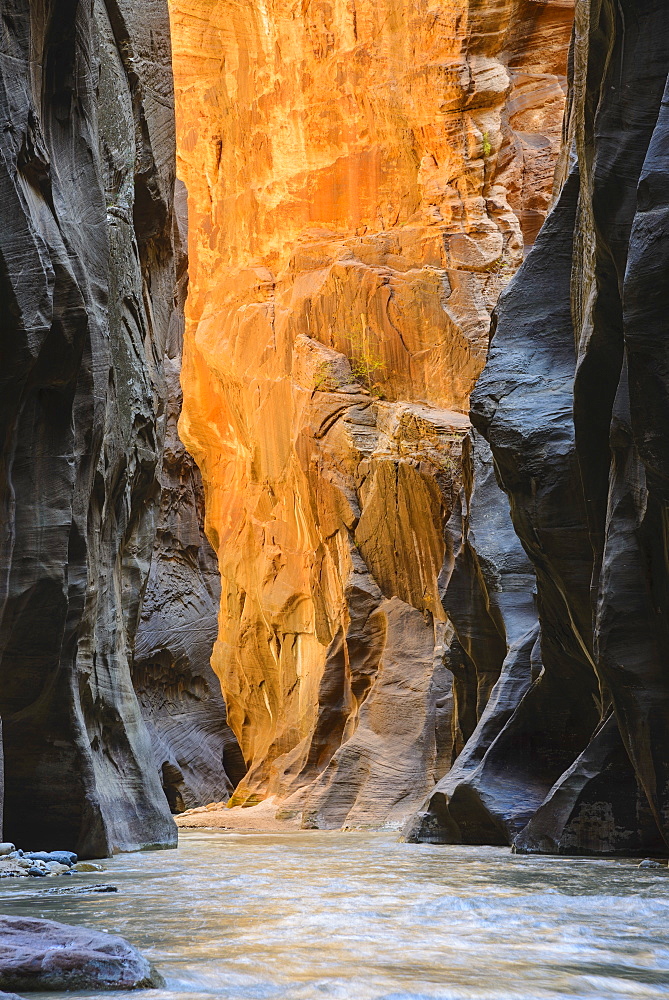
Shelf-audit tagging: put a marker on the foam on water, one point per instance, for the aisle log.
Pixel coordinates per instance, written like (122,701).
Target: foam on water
(350,916)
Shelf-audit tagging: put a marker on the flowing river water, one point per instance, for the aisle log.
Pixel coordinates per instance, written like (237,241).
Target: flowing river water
(352,916)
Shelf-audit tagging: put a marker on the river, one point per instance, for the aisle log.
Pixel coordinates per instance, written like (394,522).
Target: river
(352,916)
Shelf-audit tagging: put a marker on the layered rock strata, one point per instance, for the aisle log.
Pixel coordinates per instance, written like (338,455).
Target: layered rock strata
(87,287)
(363,179)
(573,401)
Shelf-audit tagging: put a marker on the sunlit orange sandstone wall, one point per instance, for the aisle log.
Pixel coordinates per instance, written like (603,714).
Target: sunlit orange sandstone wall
(362,177)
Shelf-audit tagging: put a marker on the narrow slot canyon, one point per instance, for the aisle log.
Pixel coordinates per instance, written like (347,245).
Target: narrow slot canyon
(363,181)
(333,503)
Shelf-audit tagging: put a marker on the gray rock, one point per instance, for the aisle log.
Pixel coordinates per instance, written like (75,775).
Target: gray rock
(574,402)
(195,751)
(93,322)
(38,872)
(6,849)
(38,955)
(55,868)
(651,863)
(487,589)
(81,890)
(62,857)
(87,181)
(596,807)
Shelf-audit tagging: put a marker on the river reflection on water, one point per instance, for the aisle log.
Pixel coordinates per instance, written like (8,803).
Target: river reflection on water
(352,916)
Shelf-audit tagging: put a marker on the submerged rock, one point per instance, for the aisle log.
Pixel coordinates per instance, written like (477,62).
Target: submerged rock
(42,955)
(81,889)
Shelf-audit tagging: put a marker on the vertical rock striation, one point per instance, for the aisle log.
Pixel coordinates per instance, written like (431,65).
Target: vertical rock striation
(573,401)
(194,749)
(87,299)
(363,178)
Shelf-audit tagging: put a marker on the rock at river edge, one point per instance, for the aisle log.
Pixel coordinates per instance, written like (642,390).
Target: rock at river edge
(42,955)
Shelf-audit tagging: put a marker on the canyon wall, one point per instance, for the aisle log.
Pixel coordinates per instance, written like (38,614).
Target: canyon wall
(363,179)
(194,749)
(90,302)
(574,404)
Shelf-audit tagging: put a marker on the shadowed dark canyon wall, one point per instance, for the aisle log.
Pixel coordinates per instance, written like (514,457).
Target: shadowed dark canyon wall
(91,288)
(411,616)
(194,749)
(573,401)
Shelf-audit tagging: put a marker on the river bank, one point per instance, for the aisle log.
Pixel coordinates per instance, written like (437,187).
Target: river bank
(337,916)
(265,817)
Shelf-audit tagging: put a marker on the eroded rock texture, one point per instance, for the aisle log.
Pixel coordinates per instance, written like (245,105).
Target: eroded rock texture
(52,957)
(574,403)
(363,178)
(87,297)
(195,751)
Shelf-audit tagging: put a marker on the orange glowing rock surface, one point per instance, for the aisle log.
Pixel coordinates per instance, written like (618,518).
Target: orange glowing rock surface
(362,176)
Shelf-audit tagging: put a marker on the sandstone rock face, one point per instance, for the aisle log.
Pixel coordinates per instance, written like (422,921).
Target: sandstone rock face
(87,286)
(363,178)
(194,749)
(574,403)
(43,955)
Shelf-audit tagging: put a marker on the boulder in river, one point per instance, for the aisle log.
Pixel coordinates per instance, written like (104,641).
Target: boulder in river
(42,955)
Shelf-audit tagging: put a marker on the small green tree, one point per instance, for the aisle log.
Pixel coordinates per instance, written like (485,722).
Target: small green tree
(324,378)
(367,365)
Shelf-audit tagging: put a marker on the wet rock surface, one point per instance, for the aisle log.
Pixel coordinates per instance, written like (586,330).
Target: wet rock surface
(573,401)
(43,955)
(43,864)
